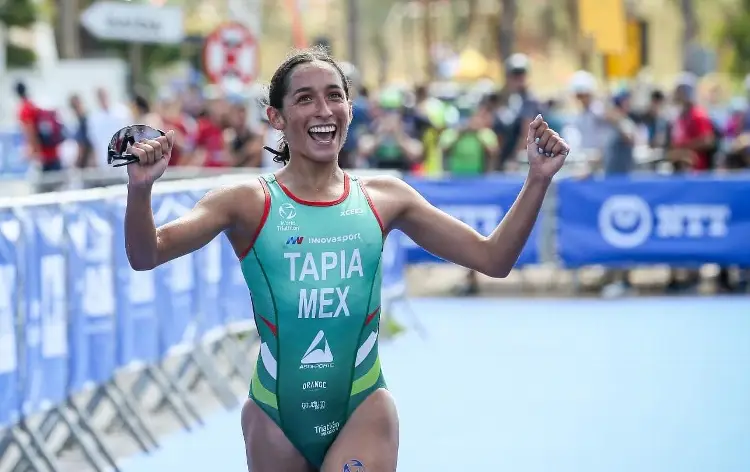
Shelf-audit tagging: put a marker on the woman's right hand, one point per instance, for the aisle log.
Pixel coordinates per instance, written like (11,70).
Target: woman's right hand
(153,158)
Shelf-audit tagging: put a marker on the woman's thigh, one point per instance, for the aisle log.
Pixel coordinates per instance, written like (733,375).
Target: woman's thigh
(266,446)
(369,436)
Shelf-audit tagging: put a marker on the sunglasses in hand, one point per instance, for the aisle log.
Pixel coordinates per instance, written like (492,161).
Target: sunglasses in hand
(118,154)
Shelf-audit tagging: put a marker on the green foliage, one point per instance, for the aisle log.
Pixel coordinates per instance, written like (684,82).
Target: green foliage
(19,57)
(20,13)
(736,35)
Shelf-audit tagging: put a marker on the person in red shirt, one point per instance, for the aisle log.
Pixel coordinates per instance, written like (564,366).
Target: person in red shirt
(693,138)
(210,145)
(28,113)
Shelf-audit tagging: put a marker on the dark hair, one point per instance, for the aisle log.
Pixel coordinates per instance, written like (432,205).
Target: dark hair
(280,84)
(657,96)
(21,90)
(142,104)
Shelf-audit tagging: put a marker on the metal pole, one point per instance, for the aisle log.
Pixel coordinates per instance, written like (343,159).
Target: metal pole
(353,33)
(430,69)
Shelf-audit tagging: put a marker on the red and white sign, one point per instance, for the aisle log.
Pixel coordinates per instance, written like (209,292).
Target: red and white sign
(231,53)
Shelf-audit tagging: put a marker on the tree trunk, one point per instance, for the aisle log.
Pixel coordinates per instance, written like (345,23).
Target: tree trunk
(507,30)
(691,29)
(68,38)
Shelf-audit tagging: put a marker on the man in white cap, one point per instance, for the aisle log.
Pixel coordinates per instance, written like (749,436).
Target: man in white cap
(590,122)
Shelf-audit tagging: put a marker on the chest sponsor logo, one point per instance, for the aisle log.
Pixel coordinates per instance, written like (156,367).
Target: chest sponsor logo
(287,212)
(297,240)
(318,355)
(352,211)
(314,385)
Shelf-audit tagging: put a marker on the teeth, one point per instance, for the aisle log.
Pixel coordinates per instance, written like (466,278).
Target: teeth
(323,129)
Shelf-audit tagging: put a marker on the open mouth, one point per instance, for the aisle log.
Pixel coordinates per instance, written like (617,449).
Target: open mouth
(323,134)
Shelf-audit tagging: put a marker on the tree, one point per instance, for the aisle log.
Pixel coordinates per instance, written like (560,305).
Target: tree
(736,35)
(19,13)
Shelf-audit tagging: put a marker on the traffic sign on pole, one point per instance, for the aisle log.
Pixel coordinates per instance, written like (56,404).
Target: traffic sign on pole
(134,22)
(231,54)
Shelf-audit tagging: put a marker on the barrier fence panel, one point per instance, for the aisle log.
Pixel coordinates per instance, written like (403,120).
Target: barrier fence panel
(91,312)
(479,202)
(138,349)
(683,221)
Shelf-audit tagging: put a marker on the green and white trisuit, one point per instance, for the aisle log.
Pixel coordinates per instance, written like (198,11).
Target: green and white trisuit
(314,275)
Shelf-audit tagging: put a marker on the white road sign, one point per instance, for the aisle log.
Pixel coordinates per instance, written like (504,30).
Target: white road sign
(134,22)
(231,53)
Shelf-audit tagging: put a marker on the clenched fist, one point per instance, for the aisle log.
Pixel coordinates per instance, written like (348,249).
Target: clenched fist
(153,158)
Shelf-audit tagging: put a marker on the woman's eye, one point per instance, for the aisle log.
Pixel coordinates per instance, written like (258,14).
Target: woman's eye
(336,95)
(303,98)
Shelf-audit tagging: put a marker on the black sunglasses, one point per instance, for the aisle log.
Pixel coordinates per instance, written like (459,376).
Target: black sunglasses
(122,141)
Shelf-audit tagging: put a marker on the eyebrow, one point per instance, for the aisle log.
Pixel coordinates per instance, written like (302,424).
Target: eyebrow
(310,89)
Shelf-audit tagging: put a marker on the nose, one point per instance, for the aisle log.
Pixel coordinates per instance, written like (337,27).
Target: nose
(324,110)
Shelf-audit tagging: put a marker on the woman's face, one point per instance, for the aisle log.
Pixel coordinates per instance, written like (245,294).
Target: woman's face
(316,112)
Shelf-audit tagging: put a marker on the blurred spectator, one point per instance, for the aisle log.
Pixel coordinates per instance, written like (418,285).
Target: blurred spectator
(657,126)
(244,145)
(620,141)
(471,148)
(389,144)
(184,126)
(427,118)
(142,113)
(210,150)
(38,127)
(85,149)
(361,121)
(553,114)
(619,161)
(192,103)
(103,123)
(692,139)
(590,122)
(518,109)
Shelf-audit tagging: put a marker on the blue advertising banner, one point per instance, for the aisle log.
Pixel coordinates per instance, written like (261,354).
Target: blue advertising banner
(46,343)
(13,162)
(137,321)
(176,282)
(683,221)
(91,304)
(10,233)
(479,202)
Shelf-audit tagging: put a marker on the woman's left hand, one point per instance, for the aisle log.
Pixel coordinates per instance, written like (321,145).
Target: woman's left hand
(545,149)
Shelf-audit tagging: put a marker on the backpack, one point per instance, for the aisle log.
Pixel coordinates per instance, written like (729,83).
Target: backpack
(49,129)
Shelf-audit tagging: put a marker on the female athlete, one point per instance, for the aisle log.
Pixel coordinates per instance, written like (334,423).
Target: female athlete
(309,239)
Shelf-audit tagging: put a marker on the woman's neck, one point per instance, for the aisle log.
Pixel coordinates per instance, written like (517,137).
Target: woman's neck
(305,175)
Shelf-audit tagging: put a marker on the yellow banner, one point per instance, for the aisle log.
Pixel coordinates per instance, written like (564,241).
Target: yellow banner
(604,22)
(627,64)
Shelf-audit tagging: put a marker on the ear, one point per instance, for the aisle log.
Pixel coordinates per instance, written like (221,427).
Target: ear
(351,111)
(275,118)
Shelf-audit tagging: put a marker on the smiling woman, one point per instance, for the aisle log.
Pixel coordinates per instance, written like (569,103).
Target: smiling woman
(291,97)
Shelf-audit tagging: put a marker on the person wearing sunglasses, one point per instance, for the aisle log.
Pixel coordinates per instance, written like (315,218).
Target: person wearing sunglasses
(309,238)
